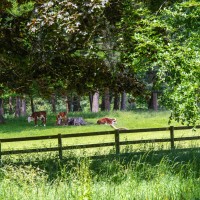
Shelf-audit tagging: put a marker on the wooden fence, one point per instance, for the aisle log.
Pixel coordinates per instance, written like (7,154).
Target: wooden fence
(116,143)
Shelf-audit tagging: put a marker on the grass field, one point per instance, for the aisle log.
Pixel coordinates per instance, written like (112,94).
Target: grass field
(153,175)
(131,120)
(20,127)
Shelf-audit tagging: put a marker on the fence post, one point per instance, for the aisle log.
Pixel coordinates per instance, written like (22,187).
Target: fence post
(60,146)
(117,142)
(172,137)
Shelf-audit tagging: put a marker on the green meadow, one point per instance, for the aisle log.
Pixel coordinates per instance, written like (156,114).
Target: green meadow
(151,175)
(19,127)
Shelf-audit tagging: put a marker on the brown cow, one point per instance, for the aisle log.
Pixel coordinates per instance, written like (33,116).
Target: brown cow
(61,118)
(111,122)
(106,120)
(38,115)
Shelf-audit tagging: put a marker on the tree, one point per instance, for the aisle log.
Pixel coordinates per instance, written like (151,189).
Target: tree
(123,101)
(165,38)
(182,61)
(18,107)
(57,44)
(1,112)
(23,106)
(78,38)
(15,59)
(95,102)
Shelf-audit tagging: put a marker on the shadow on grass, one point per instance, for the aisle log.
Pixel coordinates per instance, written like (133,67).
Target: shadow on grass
(111,164)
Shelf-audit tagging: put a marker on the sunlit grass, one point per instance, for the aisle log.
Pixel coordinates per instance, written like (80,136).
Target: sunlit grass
(20,127)
(131,120)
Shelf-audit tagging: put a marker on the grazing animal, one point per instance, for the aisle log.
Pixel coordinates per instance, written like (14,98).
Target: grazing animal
(107,120)
(111,122)
(41,115)
(61,118)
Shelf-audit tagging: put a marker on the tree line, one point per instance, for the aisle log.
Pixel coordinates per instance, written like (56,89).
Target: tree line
(97,47)
(22,106)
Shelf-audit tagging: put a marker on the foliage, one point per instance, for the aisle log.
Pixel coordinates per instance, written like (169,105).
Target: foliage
(64,31)
(182,61)
(57,45)
(18,10)
(166,41)
(78,38)
(14,54)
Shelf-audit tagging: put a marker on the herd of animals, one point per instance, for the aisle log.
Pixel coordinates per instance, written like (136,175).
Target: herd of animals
(62,119)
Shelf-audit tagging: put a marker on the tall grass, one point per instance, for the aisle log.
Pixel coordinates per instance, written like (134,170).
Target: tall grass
(151,176)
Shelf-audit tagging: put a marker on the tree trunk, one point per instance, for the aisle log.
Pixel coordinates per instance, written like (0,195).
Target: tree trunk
(10,106)
(103,103)
(67,109)
(153,102)
(95,102)
(23,108)
(107,99)
(123,101)
(70,103)
(67,104)
(90,100)
(1,112)
(32,105)
(76,103)
(116,101)
(2,120)
(53,103)
(1,107)
(18,107)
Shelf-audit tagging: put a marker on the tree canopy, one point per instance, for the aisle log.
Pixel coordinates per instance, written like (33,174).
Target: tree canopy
(49,45)
(166,40)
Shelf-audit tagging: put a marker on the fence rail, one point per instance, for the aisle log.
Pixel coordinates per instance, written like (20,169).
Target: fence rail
(116,143)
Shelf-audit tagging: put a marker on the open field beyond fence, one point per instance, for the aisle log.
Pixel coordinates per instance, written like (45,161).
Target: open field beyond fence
(117,140)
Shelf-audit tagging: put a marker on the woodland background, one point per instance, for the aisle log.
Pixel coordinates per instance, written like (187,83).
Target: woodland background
(100,54)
